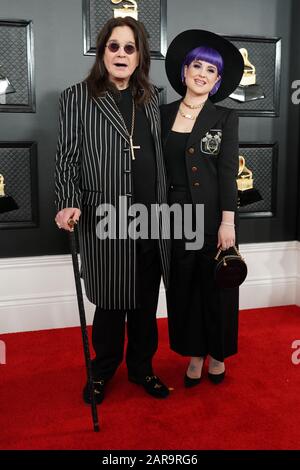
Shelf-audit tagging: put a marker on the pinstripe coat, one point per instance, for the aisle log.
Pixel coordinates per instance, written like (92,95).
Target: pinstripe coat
(93,166)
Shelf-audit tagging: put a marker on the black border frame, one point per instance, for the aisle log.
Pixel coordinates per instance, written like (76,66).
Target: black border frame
(90,49)
(32,146)
(272,213)
(262,39)
(31,106)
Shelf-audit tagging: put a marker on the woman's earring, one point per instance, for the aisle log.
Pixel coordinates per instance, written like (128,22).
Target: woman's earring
(215,88)
(183,75)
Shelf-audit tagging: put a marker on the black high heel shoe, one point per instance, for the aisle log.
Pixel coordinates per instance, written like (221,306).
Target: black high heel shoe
(190,382)
(216,378)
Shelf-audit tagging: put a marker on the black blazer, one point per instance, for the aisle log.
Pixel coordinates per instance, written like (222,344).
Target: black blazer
(212,159)
(93,166)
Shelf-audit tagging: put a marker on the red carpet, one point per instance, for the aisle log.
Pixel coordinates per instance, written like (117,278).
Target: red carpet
(256,407)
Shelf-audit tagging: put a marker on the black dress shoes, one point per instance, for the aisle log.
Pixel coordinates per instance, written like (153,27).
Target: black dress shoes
(190,382)
(98,391)
(152,385)
(216,378)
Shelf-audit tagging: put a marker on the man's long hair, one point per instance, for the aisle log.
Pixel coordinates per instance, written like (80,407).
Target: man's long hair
(98,81)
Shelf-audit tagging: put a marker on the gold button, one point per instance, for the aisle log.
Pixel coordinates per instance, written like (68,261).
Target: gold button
(196,184)
(191,150)
(194,169)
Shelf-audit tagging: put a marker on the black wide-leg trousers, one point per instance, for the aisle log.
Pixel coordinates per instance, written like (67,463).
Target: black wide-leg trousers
(108,333)
(202,318)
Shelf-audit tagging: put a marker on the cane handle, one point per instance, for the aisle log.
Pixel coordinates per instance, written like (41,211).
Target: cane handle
(71,222)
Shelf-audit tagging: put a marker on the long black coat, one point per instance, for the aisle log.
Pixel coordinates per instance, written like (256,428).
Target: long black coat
(93,166)
(211,158)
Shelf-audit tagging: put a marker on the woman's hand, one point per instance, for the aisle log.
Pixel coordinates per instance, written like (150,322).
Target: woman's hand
(226,236)
(66,214)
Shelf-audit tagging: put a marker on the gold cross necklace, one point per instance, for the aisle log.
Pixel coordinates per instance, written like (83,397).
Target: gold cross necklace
(130,135)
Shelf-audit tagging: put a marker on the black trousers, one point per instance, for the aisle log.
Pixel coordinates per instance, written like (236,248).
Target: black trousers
(202,318)
(108,333)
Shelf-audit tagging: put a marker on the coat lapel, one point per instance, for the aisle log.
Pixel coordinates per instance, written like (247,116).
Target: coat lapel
(109,108)
(152,111)
(168,119)
(205,121)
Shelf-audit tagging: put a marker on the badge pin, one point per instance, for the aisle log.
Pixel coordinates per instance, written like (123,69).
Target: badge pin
(211,142)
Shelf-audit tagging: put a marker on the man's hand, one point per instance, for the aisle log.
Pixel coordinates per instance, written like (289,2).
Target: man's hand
(64,215)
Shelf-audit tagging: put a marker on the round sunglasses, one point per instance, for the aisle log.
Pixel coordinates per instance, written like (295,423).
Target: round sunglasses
(115,46)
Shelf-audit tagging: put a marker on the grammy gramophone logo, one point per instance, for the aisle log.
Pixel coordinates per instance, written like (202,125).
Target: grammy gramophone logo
(5,85)
(2,184)
(7,203)
(248,89)
(129,8)
(247,194)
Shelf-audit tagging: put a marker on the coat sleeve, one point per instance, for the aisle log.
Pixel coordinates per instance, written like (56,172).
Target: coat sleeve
(228,164)
(68,155)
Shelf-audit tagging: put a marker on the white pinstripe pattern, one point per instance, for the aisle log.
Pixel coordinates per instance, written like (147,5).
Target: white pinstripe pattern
(92,156)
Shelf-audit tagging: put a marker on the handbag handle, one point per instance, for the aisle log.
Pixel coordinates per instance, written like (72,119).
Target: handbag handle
(234,247)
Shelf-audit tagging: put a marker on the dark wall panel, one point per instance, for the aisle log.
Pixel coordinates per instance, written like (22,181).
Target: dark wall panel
(59,62)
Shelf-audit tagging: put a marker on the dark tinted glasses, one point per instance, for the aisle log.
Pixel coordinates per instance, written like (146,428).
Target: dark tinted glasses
(115,46)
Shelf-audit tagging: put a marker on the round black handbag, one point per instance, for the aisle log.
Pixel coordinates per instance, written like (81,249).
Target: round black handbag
(231,269)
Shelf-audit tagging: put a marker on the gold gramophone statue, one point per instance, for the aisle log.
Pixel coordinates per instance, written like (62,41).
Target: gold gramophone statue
(247,194)
(5,85)
(248,89)
(7,203)
(129,9)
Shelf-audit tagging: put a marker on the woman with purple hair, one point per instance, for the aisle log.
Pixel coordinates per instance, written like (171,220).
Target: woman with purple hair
(201,152)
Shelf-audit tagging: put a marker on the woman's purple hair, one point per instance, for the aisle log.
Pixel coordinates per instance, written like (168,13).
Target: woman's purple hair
(207,54)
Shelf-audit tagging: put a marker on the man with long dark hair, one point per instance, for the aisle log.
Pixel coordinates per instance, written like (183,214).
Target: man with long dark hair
(109,150)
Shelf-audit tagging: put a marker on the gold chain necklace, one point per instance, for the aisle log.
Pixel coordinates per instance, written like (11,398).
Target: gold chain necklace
(188,116)
(193,106)
(130,135)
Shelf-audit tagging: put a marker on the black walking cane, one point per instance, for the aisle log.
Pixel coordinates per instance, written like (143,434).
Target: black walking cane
(84,334)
